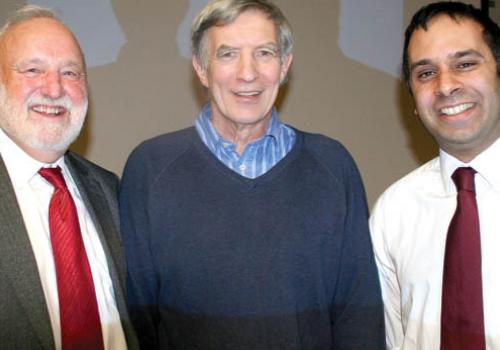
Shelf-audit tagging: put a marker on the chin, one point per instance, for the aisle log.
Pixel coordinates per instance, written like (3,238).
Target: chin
(57,142)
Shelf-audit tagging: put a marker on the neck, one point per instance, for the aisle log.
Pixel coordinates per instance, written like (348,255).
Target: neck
(44,156)
(241,134)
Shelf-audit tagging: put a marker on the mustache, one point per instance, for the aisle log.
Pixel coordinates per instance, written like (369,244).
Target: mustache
(63,101)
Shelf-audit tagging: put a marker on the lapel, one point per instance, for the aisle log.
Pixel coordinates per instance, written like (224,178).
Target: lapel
(18,262)
(104,213)
(101,202)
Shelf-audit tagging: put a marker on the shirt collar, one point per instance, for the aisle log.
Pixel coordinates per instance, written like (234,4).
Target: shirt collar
(486,165)
(20,166)
(214,140)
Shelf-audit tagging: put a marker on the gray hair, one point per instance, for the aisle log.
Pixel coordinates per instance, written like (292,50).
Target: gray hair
(26,13)
(221,12)
(29,12)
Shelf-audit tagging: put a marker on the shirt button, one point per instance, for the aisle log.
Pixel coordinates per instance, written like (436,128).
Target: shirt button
(243,167)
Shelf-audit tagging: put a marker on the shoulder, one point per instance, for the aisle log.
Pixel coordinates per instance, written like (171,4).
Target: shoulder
(85,167)
(417,181)
(165,146)
(330,153)
(408,190)
(320,144)
(153,156)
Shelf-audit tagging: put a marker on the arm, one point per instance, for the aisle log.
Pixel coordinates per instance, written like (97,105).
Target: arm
(357,312)
(391,293)
(141,279)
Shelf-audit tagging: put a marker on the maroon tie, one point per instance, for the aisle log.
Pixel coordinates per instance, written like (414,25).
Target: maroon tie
(462,320)
(80,324)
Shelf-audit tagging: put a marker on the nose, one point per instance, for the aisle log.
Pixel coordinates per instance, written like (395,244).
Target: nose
(447,84)
(247,68)
(52,86)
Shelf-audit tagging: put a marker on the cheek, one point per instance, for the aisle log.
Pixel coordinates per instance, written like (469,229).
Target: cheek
(221,78)
(20,92)
(424,98)
(272,75)
(77,92)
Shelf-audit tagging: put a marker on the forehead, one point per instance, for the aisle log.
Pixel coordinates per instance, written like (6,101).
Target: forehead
(250,27)
(43,39)
(445,36)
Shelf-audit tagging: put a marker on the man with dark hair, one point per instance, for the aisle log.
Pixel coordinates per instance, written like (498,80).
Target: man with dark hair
(435,231)
(243,232)
(61,265)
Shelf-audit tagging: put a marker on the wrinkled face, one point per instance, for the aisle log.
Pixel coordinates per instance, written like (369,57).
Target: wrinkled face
(455,86)
(43,94)
(244,71)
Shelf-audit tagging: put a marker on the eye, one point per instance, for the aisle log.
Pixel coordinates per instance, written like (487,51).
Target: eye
(226,55)
(466,65)
(266,53)
(31,71)
(72,74)
(425,74)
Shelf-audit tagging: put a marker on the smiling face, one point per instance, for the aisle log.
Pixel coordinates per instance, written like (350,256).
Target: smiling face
(43,95)
(455,86)
(243,74)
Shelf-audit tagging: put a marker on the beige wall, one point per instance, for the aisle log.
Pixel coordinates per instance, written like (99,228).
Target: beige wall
(151,90)
(494,10)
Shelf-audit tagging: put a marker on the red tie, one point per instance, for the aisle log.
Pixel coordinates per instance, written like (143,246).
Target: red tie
(80,324)
(462,320)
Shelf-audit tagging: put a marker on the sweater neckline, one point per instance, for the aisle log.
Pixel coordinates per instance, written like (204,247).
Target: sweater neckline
(232,175)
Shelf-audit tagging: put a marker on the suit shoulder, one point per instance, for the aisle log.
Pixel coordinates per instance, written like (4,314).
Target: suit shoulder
(84,165)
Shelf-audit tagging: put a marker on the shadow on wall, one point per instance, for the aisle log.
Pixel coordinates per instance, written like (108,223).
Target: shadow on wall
(147,91)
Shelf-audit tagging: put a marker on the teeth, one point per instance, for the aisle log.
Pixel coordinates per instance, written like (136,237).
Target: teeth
(456,109)
(48,109)
(249,93)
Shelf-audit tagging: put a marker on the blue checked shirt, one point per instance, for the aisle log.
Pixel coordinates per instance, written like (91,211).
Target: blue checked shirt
(258,156)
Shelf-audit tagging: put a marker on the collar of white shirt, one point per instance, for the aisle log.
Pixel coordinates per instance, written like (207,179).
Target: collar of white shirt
(486,164)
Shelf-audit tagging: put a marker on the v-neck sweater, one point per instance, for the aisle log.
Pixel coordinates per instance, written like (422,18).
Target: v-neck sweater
(220,261)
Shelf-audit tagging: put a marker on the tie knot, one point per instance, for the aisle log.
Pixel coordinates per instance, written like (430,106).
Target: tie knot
(464,179)
(54,176)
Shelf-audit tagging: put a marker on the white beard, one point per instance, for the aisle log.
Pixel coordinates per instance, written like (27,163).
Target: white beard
(36,134)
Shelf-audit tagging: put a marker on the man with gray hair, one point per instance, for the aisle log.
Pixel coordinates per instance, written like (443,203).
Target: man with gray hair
(243,232)
(60,260)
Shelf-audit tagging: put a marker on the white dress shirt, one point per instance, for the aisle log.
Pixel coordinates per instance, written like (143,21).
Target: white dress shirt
(33,195)
(409,225)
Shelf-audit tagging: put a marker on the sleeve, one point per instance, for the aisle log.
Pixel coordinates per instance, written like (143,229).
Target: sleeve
(391,293)
(142,285)
(357,311)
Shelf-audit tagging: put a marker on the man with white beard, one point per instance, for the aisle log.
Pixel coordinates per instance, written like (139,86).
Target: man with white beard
(61,265)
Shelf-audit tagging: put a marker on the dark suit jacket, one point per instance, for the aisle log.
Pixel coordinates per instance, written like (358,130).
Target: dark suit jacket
(24,317)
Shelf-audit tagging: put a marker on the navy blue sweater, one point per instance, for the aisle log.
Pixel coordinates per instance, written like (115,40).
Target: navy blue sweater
(219,261)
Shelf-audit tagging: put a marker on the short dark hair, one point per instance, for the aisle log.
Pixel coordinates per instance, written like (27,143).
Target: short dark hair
(457,11)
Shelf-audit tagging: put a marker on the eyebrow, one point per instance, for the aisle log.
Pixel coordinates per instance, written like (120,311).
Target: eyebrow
(422,62)
(455,55)
(17,65)
(271,45)
(464,53)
